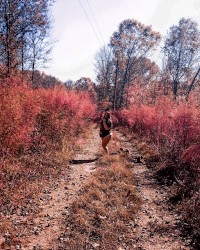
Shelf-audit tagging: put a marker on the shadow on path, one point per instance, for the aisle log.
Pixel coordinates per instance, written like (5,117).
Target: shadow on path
(83,161)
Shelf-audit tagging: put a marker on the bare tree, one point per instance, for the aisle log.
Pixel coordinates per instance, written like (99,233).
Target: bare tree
(69,84)
(132,42)
(21,23)
(182,51)
(104,70)
(8,33)
(86,84)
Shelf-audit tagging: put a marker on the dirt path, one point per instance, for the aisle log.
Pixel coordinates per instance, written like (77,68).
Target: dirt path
(46,228)
(156,225)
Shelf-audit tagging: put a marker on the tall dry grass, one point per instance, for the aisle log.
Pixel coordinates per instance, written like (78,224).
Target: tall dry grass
(173,129)
(103,216)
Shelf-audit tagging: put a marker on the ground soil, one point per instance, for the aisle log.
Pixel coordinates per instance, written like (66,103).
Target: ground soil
(157,226)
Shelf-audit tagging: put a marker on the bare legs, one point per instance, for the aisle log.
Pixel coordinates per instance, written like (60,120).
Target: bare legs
(105,141)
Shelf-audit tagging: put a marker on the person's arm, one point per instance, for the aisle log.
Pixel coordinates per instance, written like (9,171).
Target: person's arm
(105,125)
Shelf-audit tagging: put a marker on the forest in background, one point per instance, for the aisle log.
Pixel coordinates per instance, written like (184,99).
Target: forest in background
(40,115)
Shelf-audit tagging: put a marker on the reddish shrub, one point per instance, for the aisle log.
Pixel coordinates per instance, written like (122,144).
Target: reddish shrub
(17,118)
(40,117)
(171,127)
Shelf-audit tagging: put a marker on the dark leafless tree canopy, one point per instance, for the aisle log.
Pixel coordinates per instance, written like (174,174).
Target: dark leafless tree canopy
(24,29)
(182,52)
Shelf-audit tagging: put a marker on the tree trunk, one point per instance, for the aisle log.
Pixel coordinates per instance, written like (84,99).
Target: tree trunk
(8,42)
(175,88)
(122,88)
(115,87)
(192,83)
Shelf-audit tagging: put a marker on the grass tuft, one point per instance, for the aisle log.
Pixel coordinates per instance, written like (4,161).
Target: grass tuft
(103,216)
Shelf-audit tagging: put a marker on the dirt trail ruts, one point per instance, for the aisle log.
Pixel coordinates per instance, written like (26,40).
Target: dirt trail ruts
(157,226)
(46,228)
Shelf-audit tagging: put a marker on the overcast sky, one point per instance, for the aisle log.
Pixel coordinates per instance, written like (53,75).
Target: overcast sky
(78,39)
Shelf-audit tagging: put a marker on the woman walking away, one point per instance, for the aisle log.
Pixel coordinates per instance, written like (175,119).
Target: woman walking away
(105,129)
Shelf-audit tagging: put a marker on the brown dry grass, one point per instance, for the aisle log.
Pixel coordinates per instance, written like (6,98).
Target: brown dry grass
(183,187)
(103,217)
(23,178)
